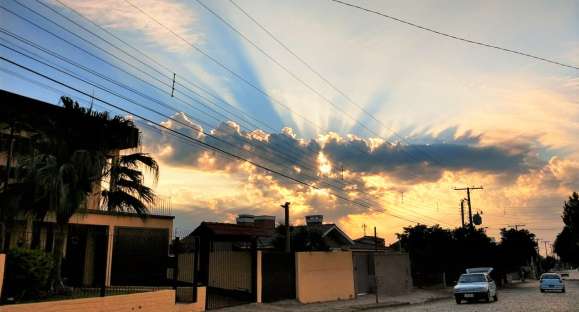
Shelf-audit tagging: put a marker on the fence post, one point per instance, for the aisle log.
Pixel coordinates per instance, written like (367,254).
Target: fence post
(103,287)
(196,250)
(175,262)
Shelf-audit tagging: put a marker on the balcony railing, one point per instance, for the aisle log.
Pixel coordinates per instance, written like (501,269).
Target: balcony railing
(161,207)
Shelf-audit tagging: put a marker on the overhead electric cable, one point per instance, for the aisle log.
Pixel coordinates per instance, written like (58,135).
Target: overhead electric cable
(324,79)
(192,139)
(20,52)
(440,33)
(101,49)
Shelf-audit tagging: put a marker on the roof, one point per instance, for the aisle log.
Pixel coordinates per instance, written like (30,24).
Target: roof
(45,117)
(326,229)
(230,230)
(368,243)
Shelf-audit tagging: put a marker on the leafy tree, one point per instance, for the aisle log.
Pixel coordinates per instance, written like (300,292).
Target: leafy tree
(548,263)
(517,248)
(567,246)
(567,242)
(571,212)
(430,250)
(302,239)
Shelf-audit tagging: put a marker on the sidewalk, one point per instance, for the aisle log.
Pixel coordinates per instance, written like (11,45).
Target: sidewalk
(361,303)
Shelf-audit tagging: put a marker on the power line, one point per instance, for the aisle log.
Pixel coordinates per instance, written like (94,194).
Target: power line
(322,77)
(154,111)
(232,72)
(304,83)
(168,85)
(133,76)
(197,141)
(273,162)
(118,68)
(479,43)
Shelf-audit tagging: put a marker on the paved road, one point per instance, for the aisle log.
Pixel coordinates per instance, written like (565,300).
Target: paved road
(524,297)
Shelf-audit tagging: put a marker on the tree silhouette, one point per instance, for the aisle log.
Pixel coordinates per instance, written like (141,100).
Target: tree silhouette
(567,242)
(66,164)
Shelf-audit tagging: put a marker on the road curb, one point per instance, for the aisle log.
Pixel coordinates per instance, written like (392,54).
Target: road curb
(396,304)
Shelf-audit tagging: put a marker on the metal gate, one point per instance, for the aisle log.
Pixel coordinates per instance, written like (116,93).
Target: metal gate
(278,276)
(231,274)
(362,273)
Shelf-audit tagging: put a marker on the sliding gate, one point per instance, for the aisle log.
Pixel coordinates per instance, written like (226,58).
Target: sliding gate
(231,274)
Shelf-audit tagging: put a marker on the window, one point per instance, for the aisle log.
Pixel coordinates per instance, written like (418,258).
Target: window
(472,278)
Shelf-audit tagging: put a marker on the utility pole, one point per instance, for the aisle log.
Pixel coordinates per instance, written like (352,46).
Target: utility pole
(462,211)
(375,252)
(287,227)
(468,189)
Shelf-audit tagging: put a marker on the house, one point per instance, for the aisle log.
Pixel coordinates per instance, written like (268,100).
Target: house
(334,238)
(110,247)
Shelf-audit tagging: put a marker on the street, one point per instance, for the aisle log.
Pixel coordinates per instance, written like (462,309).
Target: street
(523,297)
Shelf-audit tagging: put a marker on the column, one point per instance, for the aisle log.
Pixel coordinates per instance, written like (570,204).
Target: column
(111,235)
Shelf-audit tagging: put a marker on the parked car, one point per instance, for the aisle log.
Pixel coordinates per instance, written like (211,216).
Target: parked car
(551,282)
(475,286)
(487,270)
(565,275)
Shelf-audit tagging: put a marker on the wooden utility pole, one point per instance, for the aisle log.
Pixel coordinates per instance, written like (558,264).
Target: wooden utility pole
(287,227)
(375,252)
(462,211)
(468,189)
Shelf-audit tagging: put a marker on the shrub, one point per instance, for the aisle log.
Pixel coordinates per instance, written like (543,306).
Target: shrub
(28,274)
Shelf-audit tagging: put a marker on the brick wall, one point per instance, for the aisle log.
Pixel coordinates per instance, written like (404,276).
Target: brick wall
(158,301)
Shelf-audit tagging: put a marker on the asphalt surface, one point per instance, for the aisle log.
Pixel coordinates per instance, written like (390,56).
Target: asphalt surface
(521,297)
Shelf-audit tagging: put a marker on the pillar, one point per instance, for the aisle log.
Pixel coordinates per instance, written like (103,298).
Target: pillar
(111,236)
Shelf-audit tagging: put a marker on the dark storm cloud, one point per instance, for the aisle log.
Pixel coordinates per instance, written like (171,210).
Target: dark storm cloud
(422,161)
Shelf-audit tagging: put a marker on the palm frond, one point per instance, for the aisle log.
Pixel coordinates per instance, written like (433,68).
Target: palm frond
(143,192)
(141,159)
(122,201)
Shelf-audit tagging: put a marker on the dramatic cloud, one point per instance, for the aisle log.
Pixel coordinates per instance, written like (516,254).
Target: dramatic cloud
(330,154)
(120,15)
(383,181)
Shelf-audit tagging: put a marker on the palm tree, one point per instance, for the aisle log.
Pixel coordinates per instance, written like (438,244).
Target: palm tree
(127,191)
(61,183)
(66,164)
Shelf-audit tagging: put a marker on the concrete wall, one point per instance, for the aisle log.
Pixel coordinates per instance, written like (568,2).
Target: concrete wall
(158,301)
(393,273)
(2,263)
(324,276)
(199,305)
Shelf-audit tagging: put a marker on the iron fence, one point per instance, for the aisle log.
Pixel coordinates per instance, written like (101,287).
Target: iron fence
(31,273)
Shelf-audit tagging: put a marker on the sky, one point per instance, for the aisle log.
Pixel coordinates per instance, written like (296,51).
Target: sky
(378,121)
